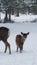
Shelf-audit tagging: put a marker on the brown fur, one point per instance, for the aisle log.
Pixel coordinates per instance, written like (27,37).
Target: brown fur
(20,40)
(4,34)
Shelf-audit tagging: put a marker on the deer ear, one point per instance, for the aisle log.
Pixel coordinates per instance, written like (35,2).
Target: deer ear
(22,33)
(28,33)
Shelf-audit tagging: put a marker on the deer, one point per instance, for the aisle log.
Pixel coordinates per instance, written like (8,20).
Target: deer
(20,39)
(4,34)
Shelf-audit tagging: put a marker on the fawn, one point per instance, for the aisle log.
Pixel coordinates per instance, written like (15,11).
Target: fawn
(20,39)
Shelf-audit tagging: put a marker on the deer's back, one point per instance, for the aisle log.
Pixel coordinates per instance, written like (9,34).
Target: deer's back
(18,39)
(4,33)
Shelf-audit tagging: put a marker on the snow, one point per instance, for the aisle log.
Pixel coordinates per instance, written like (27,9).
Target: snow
(24,18)
(29,53)
(21,18)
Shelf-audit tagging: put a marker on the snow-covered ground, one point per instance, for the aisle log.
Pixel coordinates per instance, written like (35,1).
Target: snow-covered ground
(22,18)
(29,54)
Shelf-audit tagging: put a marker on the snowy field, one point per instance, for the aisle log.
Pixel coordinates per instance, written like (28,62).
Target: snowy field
(29,53)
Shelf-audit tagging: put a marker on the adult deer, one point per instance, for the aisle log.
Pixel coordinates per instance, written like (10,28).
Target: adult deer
(20,39)
(4,34)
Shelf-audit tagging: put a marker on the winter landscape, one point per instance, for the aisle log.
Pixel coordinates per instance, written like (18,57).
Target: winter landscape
(19,16)
(29,53)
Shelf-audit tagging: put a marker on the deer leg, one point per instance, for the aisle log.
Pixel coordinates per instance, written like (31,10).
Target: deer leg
(21,48)
(5,48)
(7,45)
(17,49)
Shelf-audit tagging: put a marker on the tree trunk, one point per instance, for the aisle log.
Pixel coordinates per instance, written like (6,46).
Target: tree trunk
(9,10)
(17,12)
(6,15)
(5,20)
(9,17)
